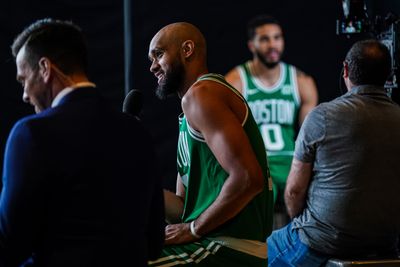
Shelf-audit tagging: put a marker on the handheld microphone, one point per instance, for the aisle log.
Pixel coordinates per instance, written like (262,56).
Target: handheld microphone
(133,102)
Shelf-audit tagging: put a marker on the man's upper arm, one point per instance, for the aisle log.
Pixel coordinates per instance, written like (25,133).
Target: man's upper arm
(233,77)
(308,94)
(222,130)
(22,195)
(311,134)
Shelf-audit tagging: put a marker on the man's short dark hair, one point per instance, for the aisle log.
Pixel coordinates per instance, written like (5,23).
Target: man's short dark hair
(60,41)
(259,21)
(369,62)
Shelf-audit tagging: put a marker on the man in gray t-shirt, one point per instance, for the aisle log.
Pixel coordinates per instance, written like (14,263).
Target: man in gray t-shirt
(343,188)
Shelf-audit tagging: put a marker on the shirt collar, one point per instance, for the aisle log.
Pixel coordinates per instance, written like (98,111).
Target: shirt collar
(68,90)
(367,89)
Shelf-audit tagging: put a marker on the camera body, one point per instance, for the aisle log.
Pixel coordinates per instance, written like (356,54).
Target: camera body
(355,21)
(390,38)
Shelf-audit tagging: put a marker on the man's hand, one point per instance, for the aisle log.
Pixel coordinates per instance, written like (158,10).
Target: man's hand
(178,234)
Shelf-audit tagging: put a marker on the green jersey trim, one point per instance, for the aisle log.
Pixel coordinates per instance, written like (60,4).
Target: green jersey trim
(195,134)
(296,93)
(261,86)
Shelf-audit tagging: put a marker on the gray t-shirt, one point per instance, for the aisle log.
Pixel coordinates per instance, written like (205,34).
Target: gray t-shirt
(353,201)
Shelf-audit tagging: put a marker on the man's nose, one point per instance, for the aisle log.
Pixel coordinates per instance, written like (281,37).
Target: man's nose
(154,66)
(25,97)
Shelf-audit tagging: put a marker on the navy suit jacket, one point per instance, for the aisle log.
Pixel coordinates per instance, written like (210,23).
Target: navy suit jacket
(80,188)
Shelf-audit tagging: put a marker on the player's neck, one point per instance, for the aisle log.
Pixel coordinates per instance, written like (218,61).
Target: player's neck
(268,76)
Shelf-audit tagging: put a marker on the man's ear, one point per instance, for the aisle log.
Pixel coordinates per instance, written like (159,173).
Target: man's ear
(45,68)
(188,48)
(345,70)
(250,45)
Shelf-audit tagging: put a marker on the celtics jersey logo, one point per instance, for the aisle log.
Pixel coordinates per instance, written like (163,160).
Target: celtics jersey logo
(275,108)
(271,115)
(269,111)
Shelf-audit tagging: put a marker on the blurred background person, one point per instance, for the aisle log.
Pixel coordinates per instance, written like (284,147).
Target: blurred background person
(279,95)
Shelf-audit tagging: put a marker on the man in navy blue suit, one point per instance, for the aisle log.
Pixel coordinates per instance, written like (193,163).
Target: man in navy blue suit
(80,187)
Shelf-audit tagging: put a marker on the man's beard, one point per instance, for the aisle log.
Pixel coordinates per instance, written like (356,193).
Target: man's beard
(268,64)
(172,81)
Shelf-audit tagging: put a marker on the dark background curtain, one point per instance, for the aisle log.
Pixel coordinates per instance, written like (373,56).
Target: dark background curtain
(309,27)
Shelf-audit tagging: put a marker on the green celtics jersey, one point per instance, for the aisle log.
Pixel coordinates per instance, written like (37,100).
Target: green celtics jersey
(203,178)
(275,110)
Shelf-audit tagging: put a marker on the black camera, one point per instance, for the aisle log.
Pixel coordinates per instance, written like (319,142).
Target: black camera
(355,21)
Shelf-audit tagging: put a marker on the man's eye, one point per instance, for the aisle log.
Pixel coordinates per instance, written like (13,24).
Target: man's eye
(159,54)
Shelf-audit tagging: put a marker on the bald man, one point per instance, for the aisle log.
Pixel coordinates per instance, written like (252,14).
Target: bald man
(222,210)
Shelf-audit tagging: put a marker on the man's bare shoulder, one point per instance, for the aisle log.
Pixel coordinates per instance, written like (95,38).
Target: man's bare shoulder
(233,77)
(233,74)
(308,93)
(303,78)
(203,102)
(205,89)
(200,93)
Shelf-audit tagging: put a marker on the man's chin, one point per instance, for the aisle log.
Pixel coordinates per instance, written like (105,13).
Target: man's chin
(161,93)
(38,110)
(164,91)
(271,65)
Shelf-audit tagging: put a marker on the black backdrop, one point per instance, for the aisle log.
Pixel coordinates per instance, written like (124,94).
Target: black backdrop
(309,26)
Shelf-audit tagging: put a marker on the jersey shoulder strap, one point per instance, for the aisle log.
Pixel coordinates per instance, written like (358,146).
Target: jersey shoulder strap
(221,80)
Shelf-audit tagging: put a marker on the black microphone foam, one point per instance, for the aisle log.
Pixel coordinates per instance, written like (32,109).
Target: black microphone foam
(133,103)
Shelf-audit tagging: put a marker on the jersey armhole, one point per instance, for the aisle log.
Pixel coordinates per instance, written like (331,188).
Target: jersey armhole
(243,80)
(221,80)
(296,93)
